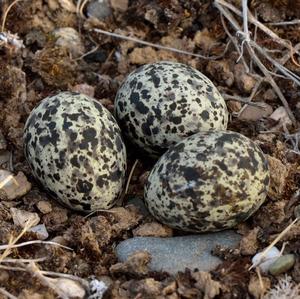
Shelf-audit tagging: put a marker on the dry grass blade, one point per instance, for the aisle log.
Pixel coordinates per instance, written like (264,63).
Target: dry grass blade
(250,44)
(7,248)
(142,42)
(10,246)
(130,175)
(6,13)
(7,294)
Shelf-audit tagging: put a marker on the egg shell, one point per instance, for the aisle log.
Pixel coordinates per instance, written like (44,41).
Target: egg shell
(208,182)
(75,150)
(159,104)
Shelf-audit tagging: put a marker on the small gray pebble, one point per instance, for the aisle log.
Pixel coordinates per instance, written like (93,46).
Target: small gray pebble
(177,253)
(41,231)
(282,264)
(99,9)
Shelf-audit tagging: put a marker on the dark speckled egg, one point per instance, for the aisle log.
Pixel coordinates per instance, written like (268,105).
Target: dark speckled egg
(159,104)
(75,149)
(208,182)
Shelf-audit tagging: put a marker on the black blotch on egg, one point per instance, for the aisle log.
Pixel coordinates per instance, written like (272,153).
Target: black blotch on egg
(180,100)
(75,150)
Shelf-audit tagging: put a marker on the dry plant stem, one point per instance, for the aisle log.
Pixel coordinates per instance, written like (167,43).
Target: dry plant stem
(276,240)
(22,261)
(247,101)
(261,283)
(130,175)
(237,28)
(272,83)
(82,7)
(254,21)
(252,54)
(234,42)
(294,22)
(99,210)
(252,95)
(6,13)
(7,294)
(142,42)
(46,281)
(49,273)
(10,246)
(245,20)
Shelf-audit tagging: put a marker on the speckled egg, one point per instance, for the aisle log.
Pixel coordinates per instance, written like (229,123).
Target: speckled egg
(159,104)
(208,182)
(75,149)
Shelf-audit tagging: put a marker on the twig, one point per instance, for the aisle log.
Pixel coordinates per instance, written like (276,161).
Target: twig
(49,273)
(22,261)
(46,281)
(252,54)
(130,175)
(9,246)
(158,46)
(245,20)
(273,84)
(82,7)
(234,41)
(12,241)
(6,13)
(293,22)
(261,283)
(228,97)
(99,210)
(254,21)
(7,294)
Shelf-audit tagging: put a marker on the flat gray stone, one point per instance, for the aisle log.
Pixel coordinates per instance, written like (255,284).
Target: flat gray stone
(177,253)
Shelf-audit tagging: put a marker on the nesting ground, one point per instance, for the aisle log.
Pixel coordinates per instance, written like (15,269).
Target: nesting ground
(96,64)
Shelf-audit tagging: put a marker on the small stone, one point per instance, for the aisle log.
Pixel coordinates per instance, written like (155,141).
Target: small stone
(13,186)
(153,229)
(177,253)
(281,115)
(249,243)
(234,106)
(258,287)
(99,9)
(44,206)
(21,217)
(69,38)
(119,5)
(84,89)
(282,264)
(244,81)
(269,95)
(98,56)
(255,113)
(41,231)
(264,261)
(139,203)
